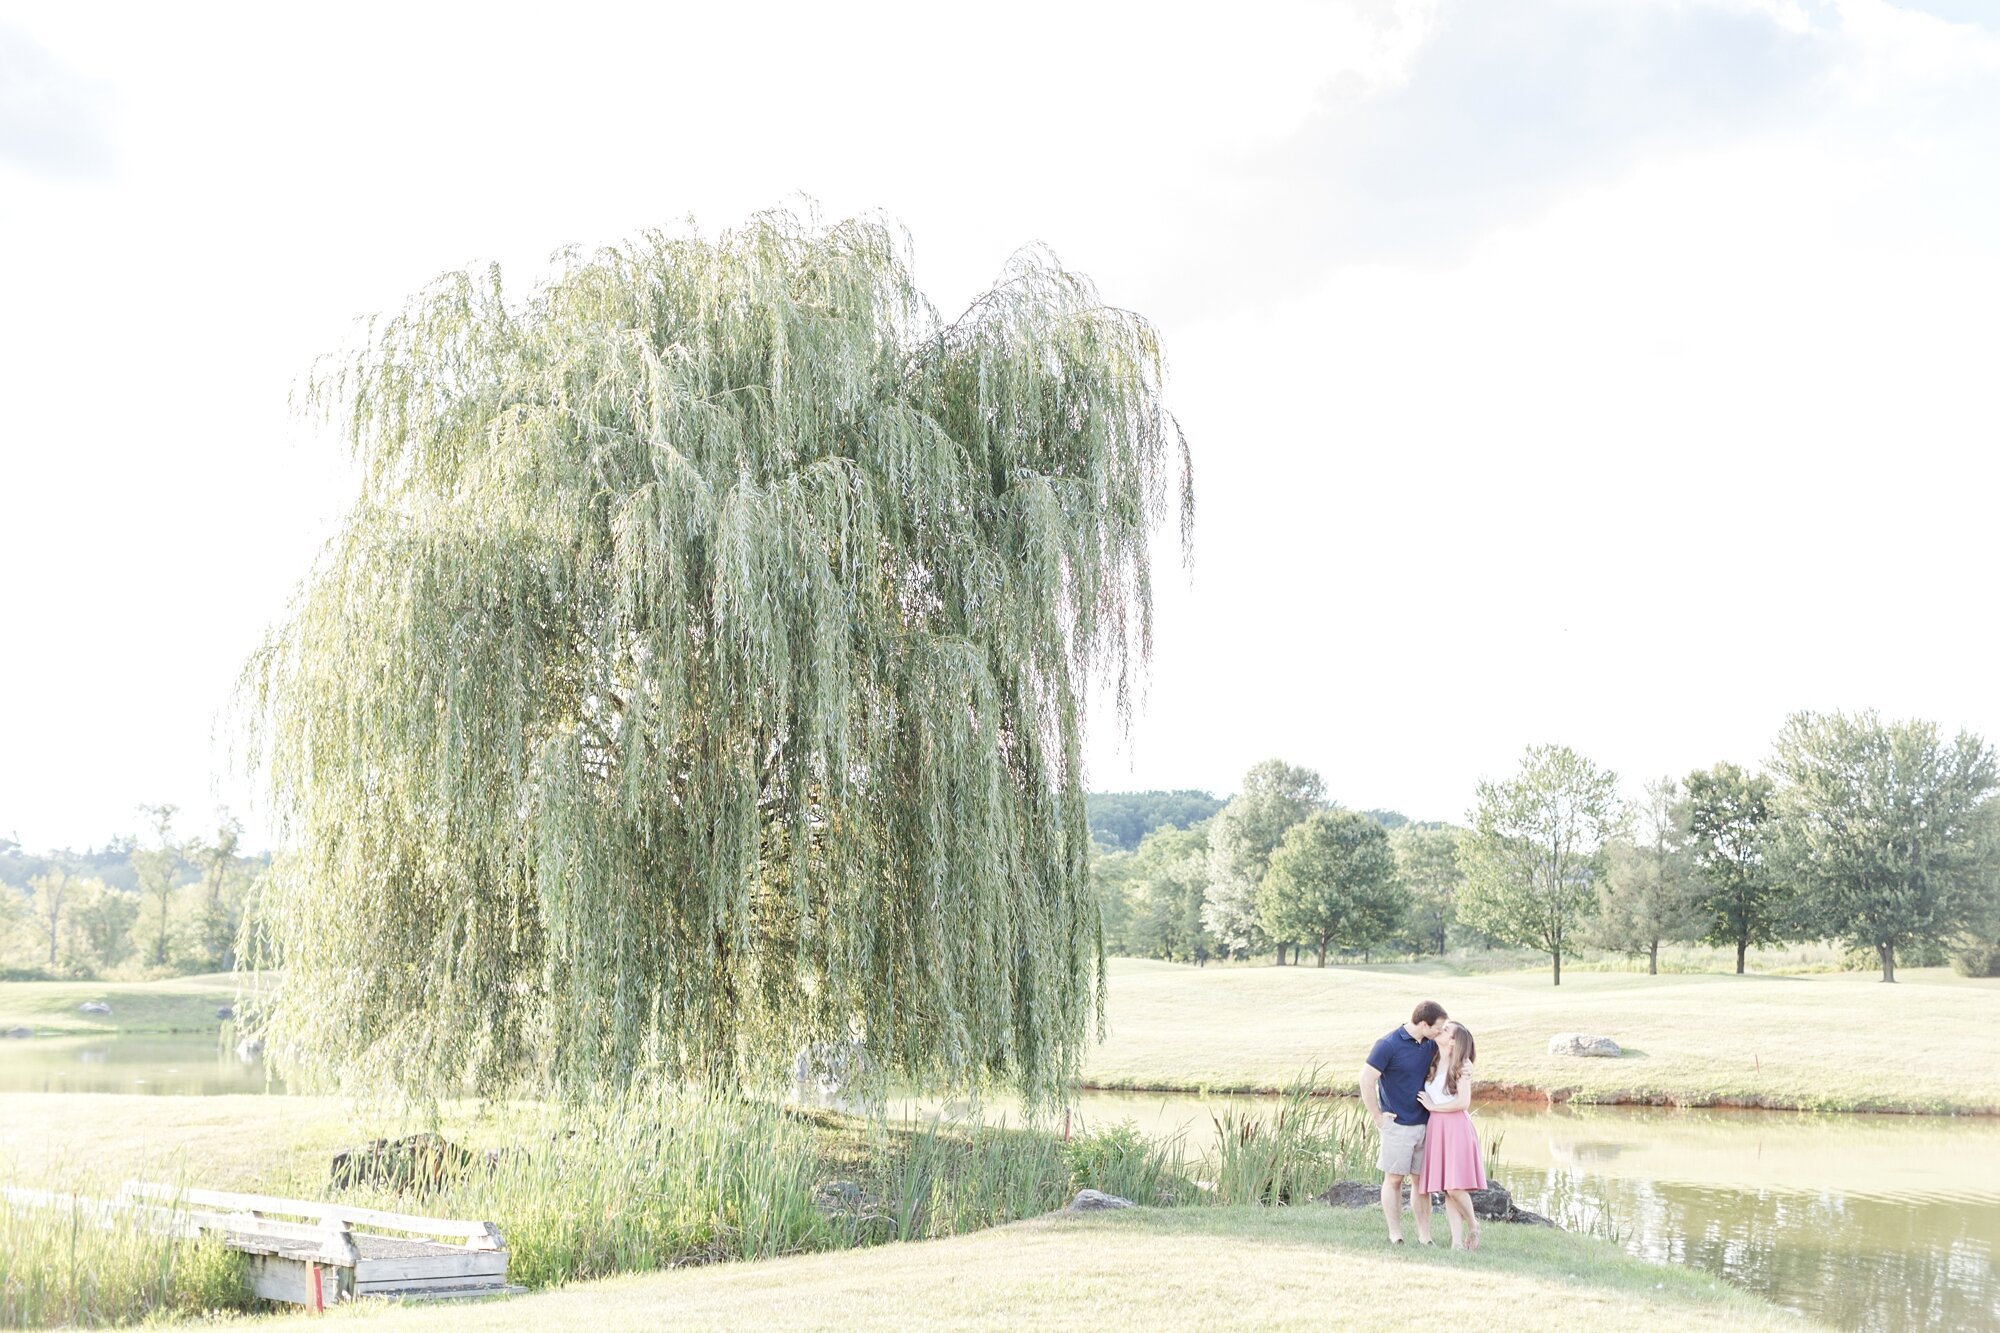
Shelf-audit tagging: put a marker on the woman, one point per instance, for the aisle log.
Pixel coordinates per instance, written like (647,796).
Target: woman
(1451,1145)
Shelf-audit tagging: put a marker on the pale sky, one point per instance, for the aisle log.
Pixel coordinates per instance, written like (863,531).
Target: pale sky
(1613,372)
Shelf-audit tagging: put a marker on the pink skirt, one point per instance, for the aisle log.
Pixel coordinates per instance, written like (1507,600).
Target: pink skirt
(1451,1154)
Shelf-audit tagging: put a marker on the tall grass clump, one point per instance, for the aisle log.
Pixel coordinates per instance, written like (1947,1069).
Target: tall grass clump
(74,1262)
(948,1177)
(1293,1151)
(645,1179)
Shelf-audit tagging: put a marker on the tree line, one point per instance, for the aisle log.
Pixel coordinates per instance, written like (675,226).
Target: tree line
(1881,835)
(165,904)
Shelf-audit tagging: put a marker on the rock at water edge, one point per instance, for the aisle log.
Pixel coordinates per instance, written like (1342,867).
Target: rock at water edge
(1096,1201)
(1580,1044)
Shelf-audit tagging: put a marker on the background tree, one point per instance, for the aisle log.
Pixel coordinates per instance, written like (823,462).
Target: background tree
(54,895)
(1740,900)
(158,869)
(1978,953)
(1275,796)
(1332,883)
(1111,875)
(103,918)
(1169,884)
(222,880)
(1427,864)
(701,671)
(1650,892)
(1122,819)
(1535,851)
(1883,823)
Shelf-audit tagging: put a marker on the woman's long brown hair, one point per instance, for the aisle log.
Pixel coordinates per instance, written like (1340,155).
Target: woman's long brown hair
(1463,1052)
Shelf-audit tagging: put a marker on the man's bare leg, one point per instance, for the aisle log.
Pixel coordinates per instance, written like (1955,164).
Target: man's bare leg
(1392,1206)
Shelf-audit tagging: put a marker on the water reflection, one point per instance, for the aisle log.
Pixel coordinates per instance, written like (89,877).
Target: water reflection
(164,1066)
(1863,1222)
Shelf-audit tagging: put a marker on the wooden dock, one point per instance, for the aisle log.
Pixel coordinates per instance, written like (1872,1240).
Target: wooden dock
(315,1253)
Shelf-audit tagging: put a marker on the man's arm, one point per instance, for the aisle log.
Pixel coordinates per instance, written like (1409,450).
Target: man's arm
(1371,1091)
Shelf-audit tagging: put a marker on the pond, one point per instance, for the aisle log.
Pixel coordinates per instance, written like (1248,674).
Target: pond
(1864,1222)
(1861,1221)
(175,1066)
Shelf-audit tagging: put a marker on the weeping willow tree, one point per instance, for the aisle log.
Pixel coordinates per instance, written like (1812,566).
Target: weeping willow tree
(701,672)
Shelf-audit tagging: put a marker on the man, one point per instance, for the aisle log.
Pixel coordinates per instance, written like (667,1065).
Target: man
(1390,1081)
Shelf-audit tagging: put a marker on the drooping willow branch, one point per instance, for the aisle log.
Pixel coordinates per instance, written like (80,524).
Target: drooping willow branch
(702,671)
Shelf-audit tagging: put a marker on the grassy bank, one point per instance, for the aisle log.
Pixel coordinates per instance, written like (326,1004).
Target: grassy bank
(652,1180)
(1304,1267)
(1830,1041)
(53,1008)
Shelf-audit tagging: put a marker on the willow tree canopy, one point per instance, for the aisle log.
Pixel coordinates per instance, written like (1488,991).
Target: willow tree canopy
(701,671)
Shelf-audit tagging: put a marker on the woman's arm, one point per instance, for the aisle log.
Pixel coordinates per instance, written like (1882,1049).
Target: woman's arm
(1461,1102)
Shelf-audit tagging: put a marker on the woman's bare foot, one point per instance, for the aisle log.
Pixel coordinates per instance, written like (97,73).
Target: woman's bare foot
(1472,1242)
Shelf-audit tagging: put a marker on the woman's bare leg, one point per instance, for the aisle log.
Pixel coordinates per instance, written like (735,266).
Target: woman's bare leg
(1463,1198)
(1453,1217)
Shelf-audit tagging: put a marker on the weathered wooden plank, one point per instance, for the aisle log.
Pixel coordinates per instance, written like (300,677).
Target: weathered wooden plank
(463,1263)
(276,1278)
(467,1282)
(411,1295)
(102,1212)
(481,1234)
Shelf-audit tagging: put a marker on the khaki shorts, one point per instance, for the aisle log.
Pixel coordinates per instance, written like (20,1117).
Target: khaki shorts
(1402,1151)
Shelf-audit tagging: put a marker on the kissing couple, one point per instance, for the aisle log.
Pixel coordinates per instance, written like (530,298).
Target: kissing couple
(1417,1085)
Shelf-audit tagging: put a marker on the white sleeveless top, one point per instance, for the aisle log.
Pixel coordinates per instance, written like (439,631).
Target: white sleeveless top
(1435,1084)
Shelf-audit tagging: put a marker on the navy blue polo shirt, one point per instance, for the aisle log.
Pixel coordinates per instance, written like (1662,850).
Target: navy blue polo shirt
(1404,1063)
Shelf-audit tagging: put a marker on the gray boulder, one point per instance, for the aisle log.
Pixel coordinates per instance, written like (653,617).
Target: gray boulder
(1495,1204)
(1096,1201)
(20,1032)
(95,1007)
(1579,1044)
(844,1196)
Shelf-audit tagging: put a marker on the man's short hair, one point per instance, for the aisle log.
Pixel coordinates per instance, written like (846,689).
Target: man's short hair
(1430,1011)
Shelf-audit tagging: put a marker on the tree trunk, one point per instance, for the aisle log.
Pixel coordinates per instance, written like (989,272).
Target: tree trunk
(1742,946)
(1558,956)
(1322,953)
(1653,967)
(1888,952)
(1281,955)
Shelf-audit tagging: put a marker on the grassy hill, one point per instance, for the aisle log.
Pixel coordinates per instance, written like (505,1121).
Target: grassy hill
(182,1004)
(1307,1267)
(1834,1041)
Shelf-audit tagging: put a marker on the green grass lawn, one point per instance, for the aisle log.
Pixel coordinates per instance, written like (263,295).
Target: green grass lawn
(181,1004)
(1306,1267)
(1828,1041)
(256,1143)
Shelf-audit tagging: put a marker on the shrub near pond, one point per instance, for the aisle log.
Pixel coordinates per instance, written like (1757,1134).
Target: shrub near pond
(1122,1161)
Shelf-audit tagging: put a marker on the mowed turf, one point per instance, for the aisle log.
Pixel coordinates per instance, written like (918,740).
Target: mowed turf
(1830,1041)
(179,1004)
(1304,1267)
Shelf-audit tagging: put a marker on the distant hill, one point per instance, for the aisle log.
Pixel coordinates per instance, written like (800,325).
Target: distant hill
(111,863)
(1121,819)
